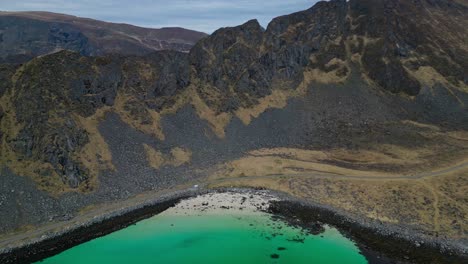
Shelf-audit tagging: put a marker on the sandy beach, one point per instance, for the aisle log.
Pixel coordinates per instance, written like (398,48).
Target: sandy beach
(218,203)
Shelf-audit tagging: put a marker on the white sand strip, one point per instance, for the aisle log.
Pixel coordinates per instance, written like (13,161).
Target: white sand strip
(218,203)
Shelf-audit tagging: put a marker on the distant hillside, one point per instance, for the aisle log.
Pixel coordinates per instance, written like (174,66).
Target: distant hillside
(24,35)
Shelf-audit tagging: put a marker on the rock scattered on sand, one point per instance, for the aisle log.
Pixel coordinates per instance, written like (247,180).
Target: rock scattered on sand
(215,203)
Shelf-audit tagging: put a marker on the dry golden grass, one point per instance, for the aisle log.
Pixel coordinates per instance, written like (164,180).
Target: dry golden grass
(355,39)
(292,153)
(277,99)
(293,28)
(95,155)
(217,122)
(435,205)
(325,77)
(152,127)
(451,200)
(20,71)
(459,135)
(429,76)
(32,169)
(9,123)
(51,182)
(280,183)
(290,161)
(254,166)
(177,157)
(421,125)
(155,158)
(146,71)
(389,155)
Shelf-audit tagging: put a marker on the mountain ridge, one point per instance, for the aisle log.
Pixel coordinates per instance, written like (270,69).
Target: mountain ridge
(45,32)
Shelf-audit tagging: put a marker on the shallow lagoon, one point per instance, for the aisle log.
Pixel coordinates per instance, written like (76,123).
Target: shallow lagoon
(196,233)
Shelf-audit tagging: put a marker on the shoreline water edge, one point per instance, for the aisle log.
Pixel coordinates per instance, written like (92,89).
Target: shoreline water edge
(378,242)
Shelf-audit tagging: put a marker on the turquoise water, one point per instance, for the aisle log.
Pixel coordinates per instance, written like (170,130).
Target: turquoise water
(220,238)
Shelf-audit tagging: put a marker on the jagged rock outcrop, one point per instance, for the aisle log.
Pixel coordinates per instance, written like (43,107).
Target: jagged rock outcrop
(234,68)
(230,69)
(388,44)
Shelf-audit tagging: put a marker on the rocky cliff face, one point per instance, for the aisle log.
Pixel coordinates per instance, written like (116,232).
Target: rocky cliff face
(24,35)
(392,42)
(341,74)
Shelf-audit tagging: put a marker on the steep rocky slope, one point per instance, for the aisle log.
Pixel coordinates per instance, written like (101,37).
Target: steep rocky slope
(349,88)
(24,35)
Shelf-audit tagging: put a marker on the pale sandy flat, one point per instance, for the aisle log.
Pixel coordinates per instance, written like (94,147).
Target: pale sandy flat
(220,203)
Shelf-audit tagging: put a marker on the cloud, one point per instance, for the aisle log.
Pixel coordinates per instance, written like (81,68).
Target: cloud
(202,15)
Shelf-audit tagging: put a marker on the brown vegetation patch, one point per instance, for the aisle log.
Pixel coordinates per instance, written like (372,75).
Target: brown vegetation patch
(148,121)
(146,71)
(277,99)
(95,155)
(393,160)
(429,76)
(339,73)
(423,187)
(288,161)
(155,158)
(138,116)
(435,205)
(217,121)
(177,157)
(43,174)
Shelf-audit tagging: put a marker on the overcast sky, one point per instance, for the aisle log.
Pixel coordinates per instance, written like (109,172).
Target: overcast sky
(202,15)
